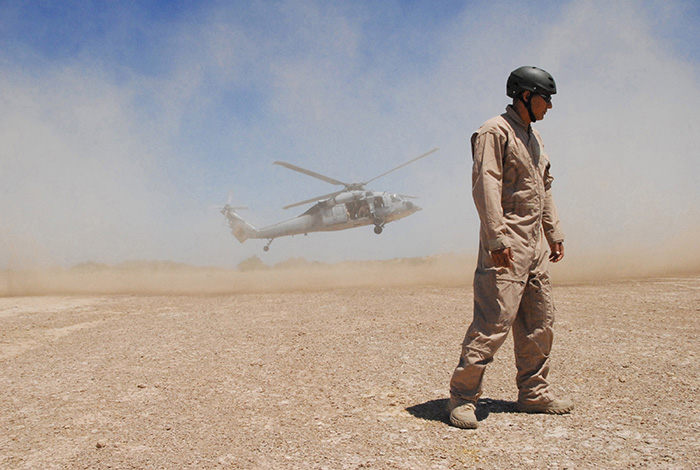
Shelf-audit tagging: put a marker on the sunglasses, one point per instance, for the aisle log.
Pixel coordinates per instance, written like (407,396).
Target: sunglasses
(547,98)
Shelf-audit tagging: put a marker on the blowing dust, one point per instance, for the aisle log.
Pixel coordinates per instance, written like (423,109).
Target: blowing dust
(299,275)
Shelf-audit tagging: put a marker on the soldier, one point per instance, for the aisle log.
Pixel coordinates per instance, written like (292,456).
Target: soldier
(511,187)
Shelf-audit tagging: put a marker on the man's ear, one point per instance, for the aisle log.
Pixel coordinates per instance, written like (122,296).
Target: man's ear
(526,96)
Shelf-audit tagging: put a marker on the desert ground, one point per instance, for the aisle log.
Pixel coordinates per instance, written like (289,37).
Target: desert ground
(343,368)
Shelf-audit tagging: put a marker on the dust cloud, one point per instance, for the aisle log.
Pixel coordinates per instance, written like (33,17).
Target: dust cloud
(72,134)
(156,278)
(679,258)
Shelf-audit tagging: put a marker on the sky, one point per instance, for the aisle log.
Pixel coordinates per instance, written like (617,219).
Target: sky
(123,125)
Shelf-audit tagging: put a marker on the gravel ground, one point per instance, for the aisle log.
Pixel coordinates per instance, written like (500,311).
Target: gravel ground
(341,378)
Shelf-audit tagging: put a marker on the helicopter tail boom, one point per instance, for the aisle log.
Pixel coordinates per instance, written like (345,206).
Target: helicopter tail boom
(240,229)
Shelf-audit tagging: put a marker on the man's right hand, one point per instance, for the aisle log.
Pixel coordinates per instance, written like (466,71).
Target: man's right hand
(502,258)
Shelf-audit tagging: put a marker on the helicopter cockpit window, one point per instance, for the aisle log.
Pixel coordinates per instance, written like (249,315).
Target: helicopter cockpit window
(395,198)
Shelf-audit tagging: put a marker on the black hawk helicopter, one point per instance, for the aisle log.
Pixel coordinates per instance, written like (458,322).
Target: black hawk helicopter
(350,207)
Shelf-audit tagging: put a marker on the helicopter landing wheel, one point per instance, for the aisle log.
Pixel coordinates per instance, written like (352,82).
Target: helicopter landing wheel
(267,247)
(378,229)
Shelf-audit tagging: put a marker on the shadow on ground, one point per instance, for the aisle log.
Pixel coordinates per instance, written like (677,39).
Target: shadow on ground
(436,410)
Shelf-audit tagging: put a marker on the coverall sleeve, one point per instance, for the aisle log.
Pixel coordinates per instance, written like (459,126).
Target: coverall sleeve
(550,215)
(487,186)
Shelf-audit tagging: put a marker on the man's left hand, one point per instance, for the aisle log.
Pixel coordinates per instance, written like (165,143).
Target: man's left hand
(557,251)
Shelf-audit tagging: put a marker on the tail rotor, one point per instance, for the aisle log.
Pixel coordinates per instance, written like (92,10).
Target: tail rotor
(240,229)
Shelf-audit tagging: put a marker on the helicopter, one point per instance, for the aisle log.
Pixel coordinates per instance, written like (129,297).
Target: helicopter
(350,207)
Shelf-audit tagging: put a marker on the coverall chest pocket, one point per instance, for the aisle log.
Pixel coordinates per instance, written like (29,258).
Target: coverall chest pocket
(518,177)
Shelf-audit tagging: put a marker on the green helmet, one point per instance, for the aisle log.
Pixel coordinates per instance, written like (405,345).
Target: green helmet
(532,79)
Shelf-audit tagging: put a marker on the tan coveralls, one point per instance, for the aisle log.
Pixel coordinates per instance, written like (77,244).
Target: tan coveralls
(511,187)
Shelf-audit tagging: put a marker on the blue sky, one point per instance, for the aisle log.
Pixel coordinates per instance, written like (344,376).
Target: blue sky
(123,123)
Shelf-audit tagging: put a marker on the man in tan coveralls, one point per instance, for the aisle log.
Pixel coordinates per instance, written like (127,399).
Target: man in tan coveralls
(511,187)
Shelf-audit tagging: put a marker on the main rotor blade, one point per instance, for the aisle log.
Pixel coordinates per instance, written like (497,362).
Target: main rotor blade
(319,198)
(401,166)
(327,179)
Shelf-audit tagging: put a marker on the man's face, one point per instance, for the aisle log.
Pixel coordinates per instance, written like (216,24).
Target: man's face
(540,103)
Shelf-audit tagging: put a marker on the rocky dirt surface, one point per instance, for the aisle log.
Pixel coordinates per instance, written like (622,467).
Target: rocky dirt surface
(341,378)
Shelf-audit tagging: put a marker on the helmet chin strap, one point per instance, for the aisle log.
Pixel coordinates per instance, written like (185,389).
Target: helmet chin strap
(528,106)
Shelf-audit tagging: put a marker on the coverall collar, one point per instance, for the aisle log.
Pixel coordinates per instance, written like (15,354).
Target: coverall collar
(515,117)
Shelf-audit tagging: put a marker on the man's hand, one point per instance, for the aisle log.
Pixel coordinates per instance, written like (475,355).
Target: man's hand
(557,252)
(502,258)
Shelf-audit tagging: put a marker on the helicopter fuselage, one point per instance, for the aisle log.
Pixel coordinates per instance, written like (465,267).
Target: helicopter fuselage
(347,210)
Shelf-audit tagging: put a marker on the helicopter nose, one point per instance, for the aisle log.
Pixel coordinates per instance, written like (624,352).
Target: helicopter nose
(412,207)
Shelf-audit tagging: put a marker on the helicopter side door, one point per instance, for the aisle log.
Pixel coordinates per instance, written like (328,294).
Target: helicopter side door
(338,214)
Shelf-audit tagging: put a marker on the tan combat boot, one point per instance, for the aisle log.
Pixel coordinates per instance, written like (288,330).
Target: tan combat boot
(557,406)
(462,413)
